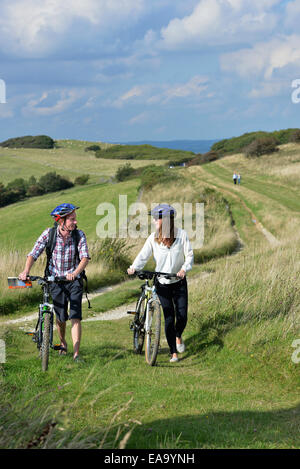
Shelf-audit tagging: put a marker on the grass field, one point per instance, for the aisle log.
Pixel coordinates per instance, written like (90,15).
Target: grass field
(68,159)
(236,386)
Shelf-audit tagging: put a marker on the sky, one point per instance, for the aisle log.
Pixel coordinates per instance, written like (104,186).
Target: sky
(133,70)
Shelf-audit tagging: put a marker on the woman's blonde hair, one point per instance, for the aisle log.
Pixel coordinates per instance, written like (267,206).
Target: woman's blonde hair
(166,232)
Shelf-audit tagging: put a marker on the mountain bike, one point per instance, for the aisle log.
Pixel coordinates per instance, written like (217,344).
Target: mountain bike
(43,334)
(146,325)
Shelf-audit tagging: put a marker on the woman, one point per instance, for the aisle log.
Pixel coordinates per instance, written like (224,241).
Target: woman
(173,254)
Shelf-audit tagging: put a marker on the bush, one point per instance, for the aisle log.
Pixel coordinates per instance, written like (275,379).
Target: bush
(35,190)
(82,180)
(261,146)
(93,148)
(18,185)
(237,144)
(52,182)
(113,252)
(143,152)
(152,175)
(39,141)
(295,136)
(202,159)
(124,172)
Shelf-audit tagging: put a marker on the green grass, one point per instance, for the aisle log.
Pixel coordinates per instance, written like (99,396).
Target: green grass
(68,160)
(236,385)
(236,395)
(282,195)
(35,212)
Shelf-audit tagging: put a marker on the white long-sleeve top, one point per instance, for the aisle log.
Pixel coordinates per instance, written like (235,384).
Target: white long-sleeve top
(169,260)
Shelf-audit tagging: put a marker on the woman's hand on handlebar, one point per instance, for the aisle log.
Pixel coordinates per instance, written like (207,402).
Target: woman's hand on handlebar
(130,271)
(181,273)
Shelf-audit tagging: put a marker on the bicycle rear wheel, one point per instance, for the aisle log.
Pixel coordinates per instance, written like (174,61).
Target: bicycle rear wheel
(138,326)
(153,333)
(45,342)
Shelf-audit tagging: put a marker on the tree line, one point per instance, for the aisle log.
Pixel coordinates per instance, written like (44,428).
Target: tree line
(20,188)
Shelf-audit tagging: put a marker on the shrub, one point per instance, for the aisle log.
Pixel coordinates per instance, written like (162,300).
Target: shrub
(39,141)
(295,136)
(124,172)
(202,159)
(113,252)
(52,182)
(82,180)
(152,175)
(35,190)
(261,146)
(93,148)
(18,185)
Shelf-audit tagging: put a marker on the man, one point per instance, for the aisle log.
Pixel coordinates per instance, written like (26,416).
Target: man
(67,260)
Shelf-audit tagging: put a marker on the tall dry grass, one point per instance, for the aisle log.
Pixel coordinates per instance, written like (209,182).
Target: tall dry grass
(256,288)
(219,236)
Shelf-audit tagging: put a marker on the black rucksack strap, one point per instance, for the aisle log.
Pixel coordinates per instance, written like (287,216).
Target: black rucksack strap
(49,250)
(50,247)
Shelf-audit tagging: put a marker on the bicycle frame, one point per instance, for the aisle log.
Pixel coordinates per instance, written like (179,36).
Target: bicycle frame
(151,296)
(44,308)
(143,326)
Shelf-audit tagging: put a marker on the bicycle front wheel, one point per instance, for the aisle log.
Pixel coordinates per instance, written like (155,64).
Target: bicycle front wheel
(138,326)
(45,342)
(153,332)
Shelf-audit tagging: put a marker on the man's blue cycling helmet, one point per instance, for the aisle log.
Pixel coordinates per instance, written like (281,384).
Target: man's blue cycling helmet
(163,210)
(63,210)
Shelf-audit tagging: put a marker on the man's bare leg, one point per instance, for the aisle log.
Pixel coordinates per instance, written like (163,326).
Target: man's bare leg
(76,336)
(61,330)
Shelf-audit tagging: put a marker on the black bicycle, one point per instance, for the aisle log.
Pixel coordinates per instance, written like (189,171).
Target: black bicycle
(43,334)
(147,316)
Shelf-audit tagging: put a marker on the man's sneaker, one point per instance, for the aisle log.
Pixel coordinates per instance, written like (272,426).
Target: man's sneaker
(180,347)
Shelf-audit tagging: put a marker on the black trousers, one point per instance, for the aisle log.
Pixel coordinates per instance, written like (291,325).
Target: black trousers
(174,301)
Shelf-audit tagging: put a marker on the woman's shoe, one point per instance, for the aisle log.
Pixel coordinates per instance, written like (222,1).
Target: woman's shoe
(174,360)
(180,347)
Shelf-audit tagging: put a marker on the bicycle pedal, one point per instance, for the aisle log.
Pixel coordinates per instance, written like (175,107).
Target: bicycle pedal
(130,312)
(33,335)
(57,347)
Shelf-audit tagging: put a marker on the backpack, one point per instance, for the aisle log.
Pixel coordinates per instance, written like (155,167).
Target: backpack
(49,250)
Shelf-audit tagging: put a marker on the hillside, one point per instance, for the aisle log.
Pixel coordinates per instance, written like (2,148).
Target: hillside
(240,371)
(68,159)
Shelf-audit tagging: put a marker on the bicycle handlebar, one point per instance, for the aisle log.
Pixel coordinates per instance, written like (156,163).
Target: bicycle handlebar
(50,279)
(148,274)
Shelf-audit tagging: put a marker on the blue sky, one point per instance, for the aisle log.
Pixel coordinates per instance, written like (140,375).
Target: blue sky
(131,70)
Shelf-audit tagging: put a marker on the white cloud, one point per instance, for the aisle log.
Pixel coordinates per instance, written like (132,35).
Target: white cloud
(216,22)
(264,57)
(139,119)
(195,87)
(152,94)
(65,99)
(270,89)
(35,27)
(292,15)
